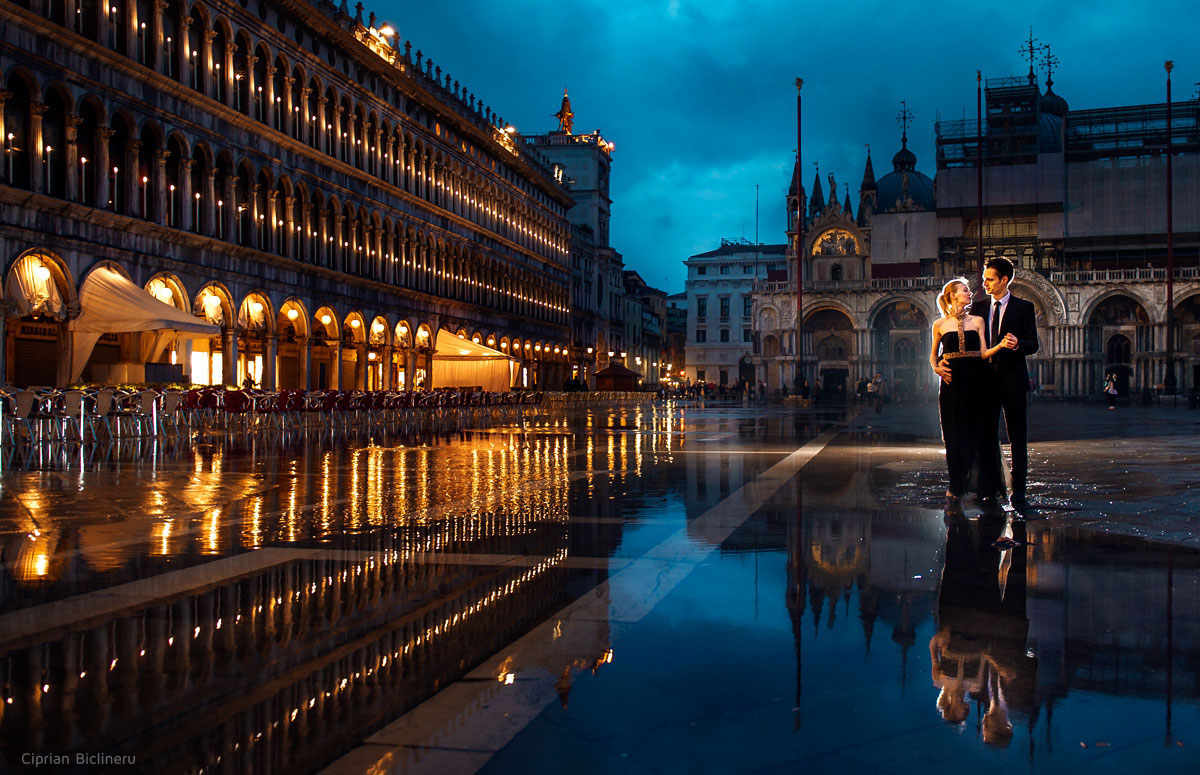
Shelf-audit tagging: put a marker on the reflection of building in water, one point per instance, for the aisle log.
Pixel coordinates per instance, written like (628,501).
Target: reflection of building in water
(1113,616)
(1089,612)
(355,612)
(249,657)
(833,557)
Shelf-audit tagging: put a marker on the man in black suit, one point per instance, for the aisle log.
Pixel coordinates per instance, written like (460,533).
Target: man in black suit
(1012,322)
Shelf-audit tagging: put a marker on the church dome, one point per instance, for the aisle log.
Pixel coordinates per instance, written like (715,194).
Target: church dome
(904,159)
(1049,133)
(1053,104)
(904,182)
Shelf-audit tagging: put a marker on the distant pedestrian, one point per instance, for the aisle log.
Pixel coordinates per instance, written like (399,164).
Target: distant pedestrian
(817,393)
(762,391)
(861,390)
(878,388)
(1110,389)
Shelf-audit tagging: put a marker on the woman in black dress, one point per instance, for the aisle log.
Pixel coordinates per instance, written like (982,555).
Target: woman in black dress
(957,339)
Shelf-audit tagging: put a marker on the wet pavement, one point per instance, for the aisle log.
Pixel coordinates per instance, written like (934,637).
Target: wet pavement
(664,588)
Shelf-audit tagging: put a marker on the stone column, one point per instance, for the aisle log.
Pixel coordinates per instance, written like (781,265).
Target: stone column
(37,173)
(228,83)
(154,45)
(183,55)
(268,100)
(158,182)
(410,367)
(71,160)
(252,205)
(228,212)
(337,132)
(251,92)
(289,243)
(338,257)
(306,364)
(101,169)
(132,177)
(287,107)
(187,204)
(270,363)
(209,213)
(229,354)
(387,151)
(321,127)
(204,63)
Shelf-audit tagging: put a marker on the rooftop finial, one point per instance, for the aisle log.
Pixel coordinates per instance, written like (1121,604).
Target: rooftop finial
(1050,62)
(903,118)
(1029,51)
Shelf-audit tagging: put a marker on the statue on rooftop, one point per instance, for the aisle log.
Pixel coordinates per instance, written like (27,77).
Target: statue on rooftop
(566,119)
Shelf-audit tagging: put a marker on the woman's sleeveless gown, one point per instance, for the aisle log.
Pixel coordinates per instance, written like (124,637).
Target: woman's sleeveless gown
(959,403)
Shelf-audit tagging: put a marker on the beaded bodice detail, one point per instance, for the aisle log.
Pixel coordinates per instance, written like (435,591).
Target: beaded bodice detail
(961,343)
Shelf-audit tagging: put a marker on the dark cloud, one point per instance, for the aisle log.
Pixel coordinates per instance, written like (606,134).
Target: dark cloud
(698,96)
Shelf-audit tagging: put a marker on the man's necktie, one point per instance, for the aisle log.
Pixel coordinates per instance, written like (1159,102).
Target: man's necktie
(995,339)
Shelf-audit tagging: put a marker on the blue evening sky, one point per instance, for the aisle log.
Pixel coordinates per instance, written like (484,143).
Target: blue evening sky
(698,96)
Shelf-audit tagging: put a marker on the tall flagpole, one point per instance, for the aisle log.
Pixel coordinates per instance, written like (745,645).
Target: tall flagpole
(979,182)
(1169,377)
(799,241)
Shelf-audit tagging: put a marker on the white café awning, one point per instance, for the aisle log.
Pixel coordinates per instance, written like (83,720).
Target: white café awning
(463,363)
(111,304)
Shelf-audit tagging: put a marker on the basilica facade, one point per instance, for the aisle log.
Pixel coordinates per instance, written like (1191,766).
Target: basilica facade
(324,197)
(1076,199)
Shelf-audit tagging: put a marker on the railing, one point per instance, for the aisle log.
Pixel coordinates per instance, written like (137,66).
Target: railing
(775,287)
(879,284)
(1123,275)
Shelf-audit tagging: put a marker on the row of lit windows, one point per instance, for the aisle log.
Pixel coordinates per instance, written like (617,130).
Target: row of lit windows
(204,194)
(213,62)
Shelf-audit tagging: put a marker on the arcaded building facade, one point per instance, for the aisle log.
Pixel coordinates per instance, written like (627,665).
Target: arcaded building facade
(301,178)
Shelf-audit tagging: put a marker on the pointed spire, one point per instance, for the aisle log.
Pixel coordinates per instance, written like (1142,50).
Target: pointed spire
(816,203)
(794,187)
(846,208)
(868,181)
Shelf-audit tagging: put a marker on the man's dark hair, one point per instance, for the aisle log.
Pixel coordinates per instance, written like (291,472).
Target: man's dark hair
(1002,265)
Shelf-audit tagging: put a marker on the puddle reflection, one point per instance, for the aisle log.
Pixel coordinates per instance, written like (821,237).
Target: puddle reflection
(1021,620)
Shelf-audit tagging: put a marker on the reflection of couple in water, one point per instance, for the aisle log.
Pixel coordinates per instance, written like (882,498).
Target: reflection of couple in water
(979,353)
(978,652)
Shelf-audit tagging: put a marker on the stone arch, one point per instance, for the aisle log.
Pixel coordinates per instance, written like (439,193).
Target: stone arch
(218,312)
(1041,289)
(255,313)
(354,328)
(380,331)
(292,323)
(927,307)
(826,305)
(169,289)
(403,334)
(294,315)
(1095,304)
(55,283)
(325,322)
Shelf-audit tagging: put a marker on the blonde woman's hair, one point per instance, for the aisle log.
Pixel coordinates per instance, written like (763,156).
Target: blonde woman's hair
(943,300)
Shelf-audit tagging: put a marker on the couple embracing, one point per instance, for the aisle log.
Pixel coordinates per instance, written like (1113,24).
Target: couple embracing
(979,353)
